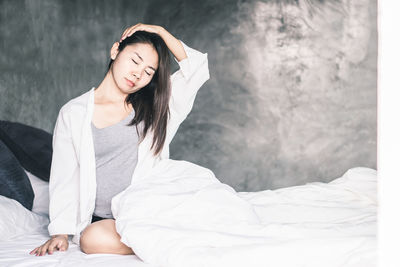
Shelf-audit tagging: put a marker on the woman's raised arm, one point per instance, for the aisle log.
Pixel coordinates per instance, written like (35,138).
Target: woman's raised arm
(173,44)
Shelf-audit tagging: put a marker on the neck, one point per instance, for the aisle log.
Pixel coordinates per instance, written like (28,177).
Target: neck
(109,91)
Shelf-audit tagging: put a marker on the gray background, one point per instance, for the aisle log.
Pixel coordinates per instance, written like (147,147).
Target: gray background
(292,94)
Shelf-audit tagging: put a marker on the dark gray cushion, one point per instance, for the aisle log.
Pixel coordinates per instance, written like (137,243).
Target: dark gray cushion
(31,146)
(14,183)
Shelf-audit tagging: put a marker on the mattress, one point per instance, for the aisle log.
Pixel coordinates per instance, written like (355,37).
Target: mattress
(302,217)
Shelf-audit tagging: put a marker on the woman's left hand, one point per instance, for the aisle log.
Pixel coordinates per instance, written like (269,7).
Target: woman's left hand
(140,27)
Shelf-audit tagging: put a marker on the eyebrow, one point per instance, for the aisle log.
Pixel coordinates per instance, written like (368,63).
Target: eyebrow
(142,60)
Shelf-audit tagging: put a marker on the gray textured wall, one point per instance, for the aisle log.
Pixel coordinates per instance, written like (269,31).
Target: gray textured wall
(292,94)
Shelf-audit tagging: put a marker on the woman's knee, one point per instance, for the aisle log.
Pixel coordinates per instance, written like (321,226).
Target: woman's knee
(101,237)
(89,238)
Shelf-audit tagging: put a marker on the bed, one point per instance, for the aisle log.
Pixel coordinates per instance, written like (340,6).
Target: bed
(316,224)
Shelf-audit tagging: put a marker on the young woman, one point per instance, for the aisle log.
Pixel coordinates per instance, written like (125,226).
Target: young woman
(115,133)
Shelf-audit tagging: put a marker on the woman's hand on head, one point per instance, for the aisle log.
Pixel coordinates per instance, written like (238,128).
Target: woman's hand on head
(140,27)
(58,242)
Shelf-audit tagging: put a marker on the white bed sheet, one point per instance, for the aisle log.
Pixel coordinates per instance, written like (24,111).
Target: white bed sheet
(301,217)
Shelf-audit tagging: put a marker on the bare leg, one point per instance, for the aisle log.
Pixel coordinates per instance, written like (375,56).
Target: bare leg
(102,237)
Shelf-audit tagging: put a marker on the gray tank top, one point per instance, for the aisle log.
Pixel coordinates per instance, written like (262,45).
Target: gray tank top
(116,151)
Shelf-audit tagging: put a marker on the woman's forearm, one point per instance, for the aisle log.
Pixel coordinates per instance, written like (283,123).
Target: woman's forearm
(174,45)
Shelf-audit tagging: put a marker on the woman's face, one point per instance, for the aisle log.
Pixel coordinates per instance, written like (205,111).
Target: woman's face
(134,66)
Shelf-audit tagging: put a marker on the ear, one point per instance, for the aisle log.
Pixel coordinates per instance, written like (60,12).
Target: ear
(114,50)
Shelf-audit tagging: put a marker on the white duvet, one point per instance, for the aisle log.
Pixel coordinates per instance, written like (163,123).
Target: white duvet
(194,220)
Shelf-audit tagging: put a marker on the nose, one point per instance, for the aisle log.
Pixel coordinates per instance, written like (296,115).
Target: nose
(136,75)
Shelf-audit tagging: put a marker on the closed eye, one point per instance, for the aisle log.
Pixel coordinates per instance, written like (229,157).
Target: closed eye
(137,64)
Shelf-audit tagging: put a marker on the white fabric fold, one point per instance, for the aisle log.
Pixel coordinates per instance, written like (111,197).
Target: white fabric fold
(181,215)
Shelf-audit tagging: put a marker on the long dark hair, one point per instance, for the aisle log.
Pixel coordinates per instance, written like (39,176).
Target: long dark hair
(151,102)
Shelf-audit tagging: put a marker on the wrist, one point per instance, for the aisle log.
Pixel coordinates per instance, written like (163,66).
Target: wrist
(160,30)
(60,235)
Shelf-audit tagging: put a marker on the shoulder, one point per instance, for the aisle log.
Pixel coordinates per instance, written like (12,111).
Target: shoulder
(78,104)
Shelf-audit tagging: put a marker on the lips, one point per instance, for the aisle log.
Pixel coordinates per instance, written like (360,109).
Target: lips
(129,82)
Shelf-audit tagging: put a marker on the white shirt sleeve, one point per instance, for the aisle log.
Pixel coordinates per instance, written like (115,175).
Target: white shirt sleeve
(186,81)
(64,180)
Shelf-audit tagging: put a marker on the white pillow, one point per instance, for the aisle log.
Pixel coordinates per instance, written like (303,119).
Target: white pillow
(16,220)
(41,190)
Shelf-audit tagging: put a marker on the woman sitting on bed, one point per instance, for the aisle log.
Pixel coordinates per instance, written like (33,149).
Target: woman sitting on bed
(113,134)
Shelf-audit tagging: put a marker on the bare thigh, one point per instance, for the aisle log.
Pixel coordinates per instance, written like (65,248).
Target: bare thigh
(102,237)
